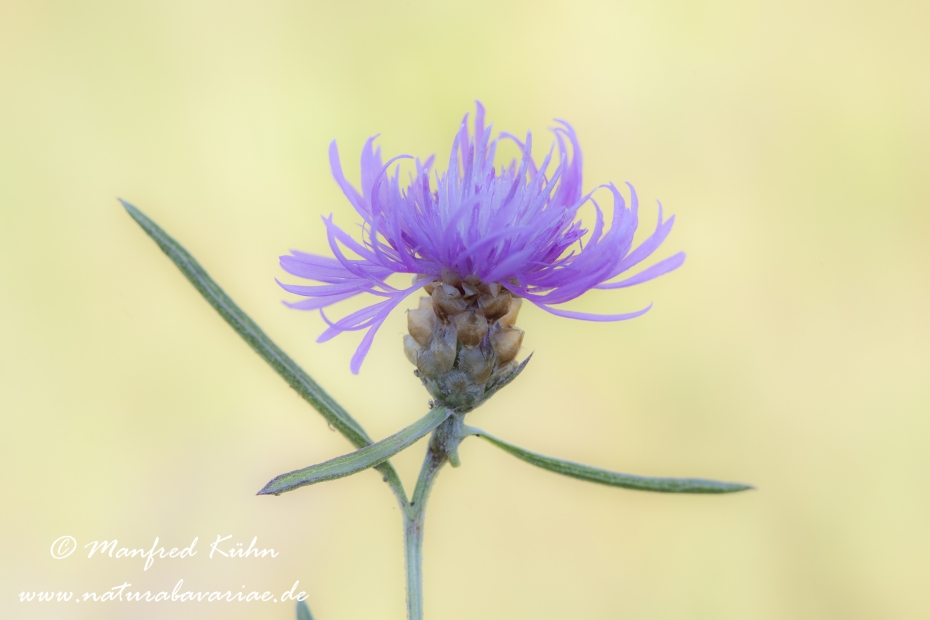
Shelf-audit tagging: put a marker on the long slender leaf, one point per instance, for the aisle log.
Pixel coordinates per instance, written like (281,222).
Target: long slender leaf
(295,376)
(369,456)
(610,478)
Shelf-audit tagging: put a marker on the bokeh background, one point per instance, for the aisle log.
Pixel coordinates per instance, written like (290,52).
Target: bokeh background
(791,350)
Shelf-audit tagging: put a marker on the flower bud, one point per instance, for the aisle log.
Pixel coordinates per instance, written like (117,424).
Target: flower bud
(506,342)
(420,323)
(470,327)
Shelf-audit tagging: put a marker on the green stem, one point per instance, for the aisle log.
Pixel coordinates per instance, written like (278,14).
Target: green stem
(443,443)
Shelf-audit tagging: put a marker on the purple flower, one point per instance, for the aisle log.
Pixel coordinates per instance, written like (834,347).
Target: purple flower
(517,226)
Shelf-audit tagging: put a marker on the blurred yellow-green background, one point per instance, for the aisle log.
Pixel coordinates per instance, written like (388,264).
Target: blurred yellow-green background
(791,140)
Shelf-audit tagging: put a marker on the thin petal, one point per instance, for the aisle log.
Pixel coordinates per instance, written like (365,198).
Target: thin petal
(586,316)
(315,303)
(662,267)
(350,192)
(326,290)
(369,337)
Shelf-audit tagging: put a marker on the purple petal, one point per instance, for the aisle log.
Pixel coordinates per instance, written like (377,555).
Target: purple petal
(350,192)
(662,267)
(315,303)
(326,290)
(518,225)
(585,316)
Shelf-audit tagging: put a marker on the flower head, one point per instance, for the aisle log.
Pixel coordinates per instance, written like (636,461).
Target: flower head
(514,229)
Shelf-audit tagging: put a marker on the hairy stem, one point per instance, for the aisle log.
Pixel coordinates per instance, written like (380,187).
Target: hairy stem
(443,443)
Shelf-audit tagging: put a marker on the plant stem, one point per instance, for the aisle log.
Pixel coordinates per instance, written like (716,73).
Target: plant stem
(444,441)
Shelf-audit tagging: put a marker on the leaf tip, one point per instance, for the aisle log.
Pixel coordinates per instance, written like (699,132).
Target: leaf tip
(134,212)
(127,205)
(733,487)
(268,489)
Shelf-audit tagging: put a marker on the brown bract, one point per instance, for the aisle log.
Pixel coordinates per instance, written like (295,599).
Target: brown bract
(462,338)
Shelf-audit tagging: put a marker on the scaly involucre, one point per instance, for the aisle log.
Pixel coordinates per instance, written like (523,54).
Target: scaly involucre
(517,226)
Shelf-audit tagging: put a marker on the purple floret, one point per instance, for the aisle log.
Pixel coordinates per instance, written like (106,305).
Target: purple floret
(517,226)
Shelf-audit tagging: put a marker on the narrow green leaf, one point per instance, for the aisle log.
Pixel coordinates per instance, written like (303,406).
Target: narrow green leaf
(295,376)
(303,612)
(610,478)
(369,456)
